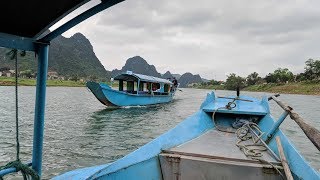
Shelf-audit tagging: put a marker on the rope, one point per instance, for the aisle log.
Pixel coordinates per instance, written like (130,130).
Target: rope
(254,151)
(243,134)
(241,127)
(27,172)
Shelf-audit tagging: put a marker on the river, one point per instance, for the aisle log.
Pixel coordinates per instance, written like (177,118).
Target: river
(81,132)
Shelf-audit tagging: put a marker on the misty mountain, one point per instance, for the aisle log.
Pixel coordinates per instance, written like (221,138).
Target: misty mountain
(72,56)
(188,78)
(167,75)
(138,65)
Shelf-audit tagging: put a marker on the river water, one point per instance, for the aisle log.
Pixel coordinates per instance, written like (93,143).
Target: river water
(81,132)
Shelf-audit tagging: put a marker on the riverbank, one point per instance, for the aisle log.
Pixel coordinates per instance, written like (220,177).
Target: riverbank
(10,81)
(290,88)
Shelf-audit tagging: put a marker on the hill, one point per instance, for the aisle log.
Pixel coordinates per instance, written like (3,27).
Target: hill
(167,75)
(72,56)
(188,78)
(138,65)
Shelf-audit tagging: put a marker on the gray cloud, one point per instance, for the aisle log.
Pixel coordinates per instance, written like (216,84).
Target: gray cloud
(207,37)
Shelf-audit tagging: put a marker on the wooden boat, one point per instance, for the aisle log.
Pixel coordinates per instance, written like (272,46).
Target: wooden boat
(133,90)
(210,144)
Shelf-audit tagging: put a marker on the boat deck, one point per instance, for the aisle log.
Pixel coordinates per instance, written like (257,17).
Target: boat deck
(215,155)
(217,144)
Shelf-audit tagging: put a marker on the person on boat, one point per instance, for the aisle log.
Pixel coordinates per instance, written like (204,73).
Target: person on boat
(175,83)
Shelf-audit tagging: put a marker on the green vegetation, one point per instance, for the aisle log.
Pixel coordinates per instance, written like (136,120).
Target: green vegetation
(10,81)
(282,80)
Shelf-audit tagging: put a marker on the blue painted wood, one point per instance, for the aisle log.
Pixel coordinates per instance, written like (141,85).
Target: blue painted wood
(187,130)
(15,42)
(38,129)
(242,107)
(141,77)
(78,19)
(110,97)
(11,170)
(143,163)
(276,126)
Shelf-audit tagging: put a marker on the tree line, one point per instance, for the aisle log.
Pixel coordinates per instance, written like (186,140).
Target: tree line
(279,76)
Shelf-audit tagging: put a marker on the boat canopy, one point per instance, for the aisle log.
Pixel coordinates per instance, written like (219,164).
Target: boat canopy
(26,23)
(129,76)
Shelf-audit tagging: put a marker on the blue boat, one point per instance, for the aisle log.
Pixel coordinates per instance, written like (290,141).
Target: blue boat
(134,90)
(228,138)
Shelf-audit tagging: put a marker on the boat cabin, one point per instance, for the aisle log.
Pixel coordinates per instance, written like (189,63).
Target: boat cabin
(133,83)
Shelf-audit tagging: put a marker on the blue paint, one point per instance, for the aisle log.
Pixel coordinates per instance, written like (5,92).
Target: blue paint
(149,169)
(78,19)
(81,174)
(11,170)
(144,163)
(110,97)
(276,126)
(134,76)
(120,98)
(187,130)
(16,42)
(40,107)
(242,107)
(298,165)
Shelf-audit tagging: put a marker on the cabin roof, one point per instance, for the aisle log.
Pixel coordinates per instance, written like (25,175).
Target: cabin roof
(135,76)
(31,18)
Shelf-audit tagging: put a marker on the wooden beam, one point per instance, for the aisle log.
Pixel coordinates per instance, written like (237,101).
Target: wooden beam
(284,162)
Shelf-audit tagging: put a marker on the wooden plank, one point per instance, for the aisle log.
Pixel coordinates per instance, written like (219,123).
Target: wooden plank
(283,159)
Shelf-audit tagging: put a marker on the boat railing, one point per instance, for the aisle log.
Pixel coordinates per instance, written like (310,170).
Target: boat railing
(312,133)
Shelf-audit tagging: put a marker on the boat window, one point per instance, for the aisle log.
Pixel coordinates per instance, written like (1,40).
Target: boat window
(141,86)
(125,85)
(120,84)
(130,86)
(166,88)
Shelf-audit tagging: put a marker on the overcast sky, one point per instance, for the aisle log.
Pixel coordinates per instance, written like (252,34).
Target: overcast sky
(212,38)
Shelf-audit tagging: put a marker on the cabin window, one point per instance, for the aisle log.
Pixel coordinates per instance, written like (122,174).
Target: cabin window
(149,86)
(120,85)
(166,87)
(130,86)
(141,86)
(125,86)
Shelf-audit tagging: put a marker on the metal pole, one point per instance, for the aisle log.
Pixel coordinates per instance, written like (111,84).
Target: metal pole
(265,145)
(276,126)
(43,50)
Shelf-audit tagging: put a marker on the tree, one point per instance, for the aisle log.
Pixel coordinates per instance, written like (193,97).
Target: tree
(253,78)
(234,81)
(280,75)
(312,69)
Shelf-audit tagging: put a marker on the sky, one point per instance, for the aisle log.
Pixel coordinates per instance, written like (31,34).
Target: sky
(212,38)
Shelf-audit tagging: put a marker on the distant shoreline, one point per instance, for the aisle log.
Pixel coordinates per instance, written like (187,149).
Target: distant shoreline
(10,81)
(290,88)
(302,88)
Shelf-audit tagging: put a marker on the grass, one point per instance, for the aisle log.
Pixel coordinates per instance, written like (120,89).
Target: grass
(290,88)
(10,81)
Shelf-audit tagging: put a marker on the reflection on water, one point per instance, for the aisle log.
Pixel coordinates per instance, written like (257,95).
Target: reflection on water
(81,132)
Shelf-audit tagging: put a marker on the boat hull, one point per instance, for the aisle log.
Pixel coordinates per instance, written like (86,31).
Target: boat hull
(161,159)
(110,97)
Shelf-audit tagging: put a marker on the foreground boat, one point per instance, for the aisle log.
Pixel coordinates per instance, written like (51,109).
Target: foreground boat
(134,90)
(213,143)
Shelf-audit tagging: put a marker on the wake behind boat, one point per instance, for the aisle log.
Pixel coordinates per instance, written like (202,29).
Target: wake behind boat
(134,90)
(228,138)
